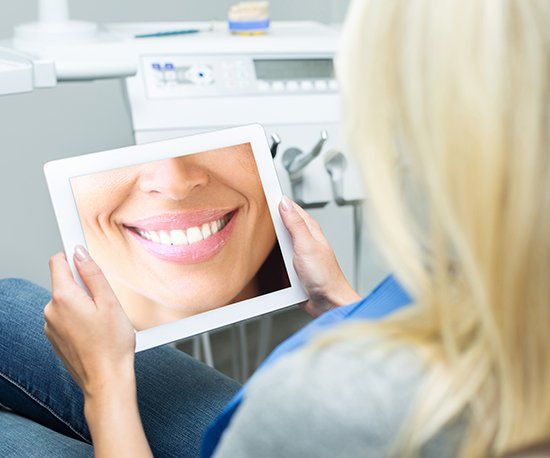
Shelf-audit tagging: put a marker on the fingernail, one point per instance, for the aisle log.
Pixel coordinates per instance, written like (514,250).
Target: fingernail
(286,204)
(81,253)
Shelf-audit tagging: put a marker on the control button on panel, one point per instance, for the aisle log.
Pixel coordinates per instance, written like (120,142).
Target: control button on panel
(321,85)
(201,75)
(263,86)
(159,77)
(242,75)
(333,85)
(292,86)
(306,85)
(170,76)
(278,86)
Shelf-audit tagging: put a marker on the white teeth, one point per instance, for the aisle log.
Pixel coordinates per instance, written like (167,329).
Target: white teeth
(164,237)
(185,236)
(178,237)
(194,234)
(205,230)
(145,235)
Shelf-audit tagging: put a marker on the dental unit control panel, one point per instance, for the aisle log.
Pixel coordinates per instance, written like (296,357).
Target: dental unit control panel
(178,76)
(284,80)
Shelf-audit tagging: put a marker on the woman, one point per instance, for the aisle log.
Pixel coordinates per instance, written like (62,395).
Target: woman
(446,99)
(183,235)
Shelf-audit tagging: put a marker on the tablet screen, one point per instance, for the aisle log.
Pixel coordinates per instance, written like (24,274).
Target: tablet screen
(182,236)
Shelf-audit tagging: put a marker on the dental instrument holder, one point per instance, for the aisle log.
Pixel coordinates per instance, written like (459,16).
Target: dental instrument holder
(275,142)
(80,50)
(295,161)
(336,164)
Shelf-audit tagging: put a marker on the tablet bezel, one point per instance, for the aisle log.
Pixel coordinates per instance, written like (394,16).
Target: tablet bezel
(59,173)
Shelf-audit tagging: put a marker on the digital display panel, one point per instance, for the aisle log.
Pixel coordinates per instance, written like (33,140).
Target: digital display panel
(182,236)
(293,69)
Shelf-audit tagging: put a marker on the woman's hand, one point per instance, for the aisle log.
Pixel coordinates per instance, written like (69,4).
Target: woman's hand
(315,262)
(96,342)
(92,335)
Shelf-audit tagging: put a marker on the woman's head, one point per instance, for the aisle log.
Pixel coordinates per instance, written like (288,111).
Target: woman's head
(448,101)
(188,233)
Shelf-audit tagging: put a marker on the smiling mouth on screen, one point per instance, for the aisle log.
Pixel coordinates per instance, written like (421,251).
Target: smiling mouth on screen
(185,237)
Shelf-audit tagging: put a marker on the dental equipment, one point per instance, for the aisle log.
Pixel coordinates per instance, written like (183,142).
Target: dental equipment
(80,50)
(20,72)
(249,18)
(275,142)
(169,33)
(294,160)
(336,164)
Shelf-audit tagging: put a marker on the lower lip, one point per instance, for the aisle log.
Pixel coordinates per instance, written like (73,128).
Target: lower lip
(189,254)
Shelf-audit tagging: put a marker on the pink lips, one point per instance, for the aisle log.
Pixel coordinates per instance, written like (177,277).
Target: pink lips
(184,254)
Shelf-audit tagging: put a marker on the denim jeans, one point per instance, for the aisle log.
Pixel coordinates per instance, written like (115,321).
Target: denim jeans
(178,396)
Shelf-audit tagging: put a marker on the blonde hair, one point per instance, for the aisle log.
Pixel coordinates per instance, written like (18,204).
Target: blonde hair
(452,97)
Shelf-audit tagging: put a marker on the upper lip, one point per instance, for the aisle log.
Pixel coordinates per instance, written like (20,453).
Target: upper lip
(179,220)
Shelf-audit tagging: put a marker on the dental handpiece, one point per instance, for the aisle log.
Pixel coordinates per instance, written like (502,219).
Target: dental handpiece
(275,142)
(335,164)
(296,161)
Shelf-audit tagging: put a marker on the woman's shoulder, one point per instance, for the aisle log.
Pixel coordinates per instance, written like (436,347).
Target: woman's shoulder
(340,399)
(352,381)
(360,372)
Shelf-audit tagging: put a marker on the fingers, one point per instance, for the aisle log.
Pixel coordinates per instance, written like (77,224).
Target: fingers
(312,225)
(92,276)
(61,276)
(294,222)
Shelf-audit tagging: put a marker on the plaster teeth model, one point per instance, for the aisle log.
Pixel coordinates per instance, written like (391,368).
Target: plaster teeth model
(249,18)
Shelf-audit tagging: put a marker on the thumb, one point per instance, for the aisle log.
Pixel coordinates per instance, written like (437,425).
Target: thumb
(92,276)
(295,223)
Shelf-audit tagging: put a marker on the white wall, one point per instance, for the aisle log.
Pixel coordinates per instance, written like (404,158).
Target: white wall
(78,118)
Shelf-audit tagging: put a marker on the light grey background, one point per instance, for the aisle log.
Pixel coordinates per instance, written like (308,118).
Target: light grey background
(77,118)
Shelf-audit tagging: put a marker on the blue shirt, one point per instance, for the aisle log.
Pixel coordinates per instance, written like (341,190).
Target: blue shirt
(386,298)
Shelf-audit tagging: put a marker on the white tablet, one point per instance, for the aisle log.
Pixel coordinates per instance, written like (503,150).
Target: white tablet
(187,231)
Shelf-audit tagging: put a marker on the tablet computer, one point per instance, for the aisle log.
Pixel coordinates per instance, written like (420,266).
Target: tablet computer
(187,231)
